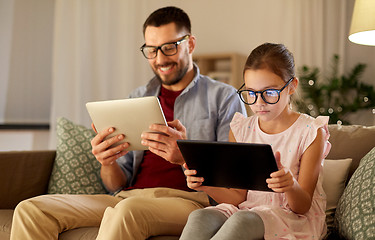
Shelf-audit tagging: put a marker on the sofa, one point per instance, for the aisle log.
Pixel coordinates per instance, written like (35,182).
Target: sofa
(25,174)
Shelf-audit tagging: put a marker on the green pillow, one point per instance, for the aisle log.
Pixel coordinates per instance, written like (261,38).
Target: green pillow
(75,170)
(355,213)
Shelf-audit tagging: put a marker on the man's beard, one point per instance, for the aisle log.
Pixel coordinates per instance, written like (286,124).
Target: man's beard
(180,74)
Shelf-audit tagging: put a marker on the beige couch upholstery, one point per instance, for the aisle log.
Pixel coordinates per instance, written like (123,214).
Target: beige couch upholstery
(25,174)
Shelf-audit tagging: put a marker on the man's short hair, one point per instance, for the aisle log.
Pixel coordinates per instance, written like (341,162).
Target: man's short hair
(166,15)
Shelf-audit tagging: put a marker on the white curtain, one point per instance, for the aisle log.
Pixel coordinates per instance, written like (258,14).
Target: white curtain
(6,16)
(96,43)
(95,56)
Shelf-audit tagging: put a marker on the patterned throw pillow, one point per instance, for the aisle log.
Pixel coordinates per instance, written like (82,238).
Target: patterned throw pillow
(75,170)
(355,213)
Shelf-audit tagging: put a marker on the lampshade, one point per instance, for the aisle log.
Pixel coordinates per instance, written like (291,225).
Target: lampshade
(362,29)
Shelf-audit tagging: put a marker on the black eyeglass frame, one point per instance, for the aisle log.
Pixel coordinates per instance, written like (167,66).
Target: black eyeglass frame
(161,47)
(239,92)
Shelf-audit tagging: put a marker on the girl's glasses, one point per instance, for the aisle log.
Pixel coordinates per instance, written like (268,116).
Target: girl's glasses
(270,96)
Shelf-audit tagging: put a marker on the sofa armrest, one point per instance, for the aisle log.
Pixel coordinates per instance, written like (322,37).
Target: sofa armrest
(24,174)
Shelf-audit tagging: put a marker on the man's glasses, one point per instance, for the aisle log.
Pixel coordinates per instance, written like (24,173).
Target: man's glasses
(168,49)
(270,96)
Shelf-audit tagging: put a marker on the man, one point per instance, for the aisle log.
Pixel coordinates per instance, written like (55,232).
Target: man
(152,195)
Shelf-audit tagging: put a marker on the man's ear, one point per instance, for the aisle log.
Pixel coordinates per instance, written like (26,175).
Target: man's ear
(293,86)
(192,42)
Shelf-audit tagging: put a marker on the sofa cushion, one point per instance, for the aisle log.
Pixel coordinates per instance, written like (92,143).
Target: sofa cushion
(355,213)
(335,173)
(352,141)
(83,233)
(76,170)
(6,216)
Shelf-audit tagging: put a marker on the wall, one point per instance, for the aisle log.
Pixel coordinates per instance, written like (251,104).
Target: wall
(13,140)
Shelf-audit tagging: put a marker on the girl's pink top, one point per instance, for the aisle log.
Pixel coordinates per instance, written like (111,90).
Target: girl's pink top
(279,221)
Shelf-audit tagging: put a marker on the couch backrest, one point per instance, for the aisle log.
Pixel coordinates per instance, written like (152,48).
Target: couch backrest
(24,174)
(351,141)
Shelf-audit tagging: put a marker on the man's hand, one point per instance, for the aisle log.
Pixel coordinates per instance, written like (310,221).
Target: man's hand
(163,141)
(102,149)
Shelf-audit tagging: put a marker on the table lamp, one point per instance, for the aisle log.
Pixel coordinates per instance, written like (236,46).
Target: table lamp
(362,29)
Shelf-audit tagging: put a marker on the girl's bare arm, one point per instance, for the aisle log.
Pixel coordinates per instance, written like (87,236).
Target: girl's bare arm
(300,193)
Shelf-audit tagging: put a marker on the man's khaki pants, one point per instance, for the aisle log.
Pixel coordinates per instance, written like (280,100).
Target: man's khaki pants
(133,214)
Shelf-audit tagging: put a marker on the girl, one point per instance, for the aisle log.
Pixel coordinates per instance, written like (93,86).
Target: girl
(296,207)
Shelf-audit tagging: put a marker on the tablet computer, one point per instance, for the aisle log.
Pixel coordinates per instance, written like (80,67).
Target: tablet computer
(229,164)
(130,117)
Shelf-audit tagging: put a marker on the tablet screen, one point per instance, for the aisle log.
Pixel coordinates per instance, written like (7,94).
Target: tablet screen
(228,164)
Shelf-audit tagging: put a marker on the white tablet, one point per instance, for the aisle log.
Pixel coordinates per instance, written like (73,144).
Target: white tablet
(130,117)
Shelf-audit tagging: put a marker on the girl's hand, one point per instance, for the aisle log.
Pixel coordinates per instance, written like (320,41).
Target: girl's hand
(193,182)
(281,181)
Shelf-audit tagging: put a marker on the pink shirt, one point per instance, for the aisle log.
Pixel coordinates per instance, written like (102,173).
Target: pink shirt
(279,221)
